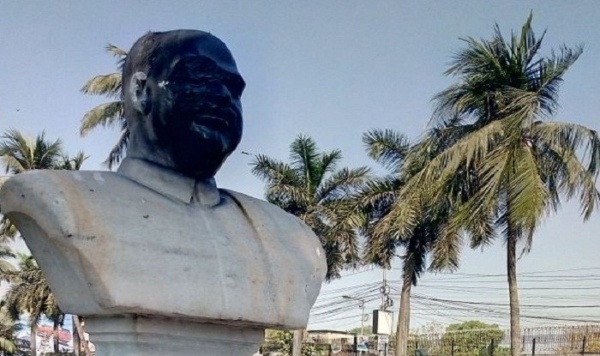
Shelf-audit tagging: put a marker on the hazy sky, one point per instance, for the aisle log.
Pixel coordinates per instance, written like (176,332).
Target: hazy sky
(332,70)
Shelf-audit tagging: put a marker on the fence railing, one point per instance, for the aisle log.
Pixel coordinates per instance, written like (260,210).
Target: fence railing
(564,340)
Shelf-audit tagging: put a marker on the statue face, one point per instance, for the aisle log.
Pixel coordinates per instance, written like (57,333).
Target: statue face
(194,106)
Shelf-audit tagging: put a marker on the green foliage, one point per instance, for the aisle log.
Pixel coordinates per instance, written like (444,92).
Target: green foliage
(472,338)
(20,153)
(312,187)
(108,114)
(367,330)
(282,341)
(8,331)
(29,292)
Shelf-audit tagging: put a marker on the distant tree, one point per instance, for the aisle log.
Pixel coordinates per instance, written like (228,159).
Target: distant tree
(367,330)
(472,338)
(108,114)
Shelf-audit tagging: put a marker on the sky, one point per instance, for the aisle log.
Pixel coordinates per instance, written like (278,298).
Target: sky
(332,70)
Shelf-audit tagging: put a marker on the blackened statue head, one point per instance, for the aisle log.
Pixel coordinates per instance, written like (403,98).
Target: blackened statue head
(182,94)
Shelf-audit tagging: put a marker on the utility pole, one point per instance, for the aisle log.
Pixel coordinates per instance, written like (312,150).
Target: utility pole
(363,316)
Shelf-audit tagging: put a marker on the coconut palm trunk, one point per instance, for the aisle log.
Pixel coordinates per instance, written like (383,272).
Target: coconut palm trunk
(513,293)
(402,329)
(76,338)
(33,338)
(81,335)
(55,335)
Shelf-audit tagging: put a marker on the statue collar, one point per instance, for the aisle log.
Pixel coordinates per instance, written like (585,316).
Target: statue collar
(170,183)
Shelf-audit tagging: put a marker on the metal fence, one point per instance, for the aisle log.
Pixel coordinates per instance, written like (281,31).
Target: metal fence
(560,341)
(563,340)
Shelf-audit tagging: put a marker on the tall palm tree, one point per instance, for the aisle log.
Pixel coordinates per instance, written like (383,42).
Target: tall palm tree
(389,148)
(524,163)
(313,188)
(379,199)
(108,114)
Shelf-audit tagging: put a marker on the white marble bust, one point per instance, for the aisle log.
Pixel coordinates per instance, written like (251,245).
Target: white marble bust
(157,240)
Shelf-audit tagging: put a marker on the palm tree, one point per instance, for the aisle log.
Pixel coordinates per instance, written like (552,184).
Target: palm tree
(8,330)
(108,114)
(500,130)
(314,189)
(8,327)
(20,153)
(389,148)
(29,293)
(379,199)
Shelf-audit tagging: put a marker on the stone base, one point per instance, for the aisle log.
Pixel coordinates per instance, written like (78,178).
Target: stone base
(144,336)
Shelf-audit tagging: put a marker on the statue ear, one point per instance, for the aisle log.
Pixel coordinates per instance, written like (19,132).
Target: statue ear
(137,93)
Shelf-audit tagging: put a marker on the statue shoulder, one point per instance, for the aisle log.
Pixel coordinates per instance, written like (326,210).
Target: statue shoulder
(49,196)
(261,211)
(45,184)
(249,202)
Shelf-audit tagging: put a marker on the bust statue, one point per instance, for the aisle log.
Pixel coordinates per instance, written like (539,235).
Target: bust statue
(158,259)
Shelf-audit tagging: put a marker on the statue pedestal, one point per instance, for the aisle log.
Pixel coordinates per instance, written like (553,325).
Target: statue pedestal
(135,335)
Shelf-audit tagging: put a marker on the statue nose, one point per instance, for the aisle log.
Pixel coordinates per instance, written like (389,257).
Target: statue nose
(221,95)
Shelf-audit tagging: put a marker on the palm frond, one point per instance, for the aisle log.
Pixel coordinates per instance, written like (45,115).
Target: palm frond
(342,183)
(111,113)
(106,115)
(304,158)
(117,153)
(526,193)
(116,51)
(105,84)
(20,153)
(550,74)
(378,194)
(446,249)
(8,231)
(564,173)
(573,138)
(387,147)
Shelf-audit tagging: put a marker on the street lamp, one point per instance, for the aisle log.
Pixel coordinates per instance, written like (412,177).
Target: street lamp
(361,305)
